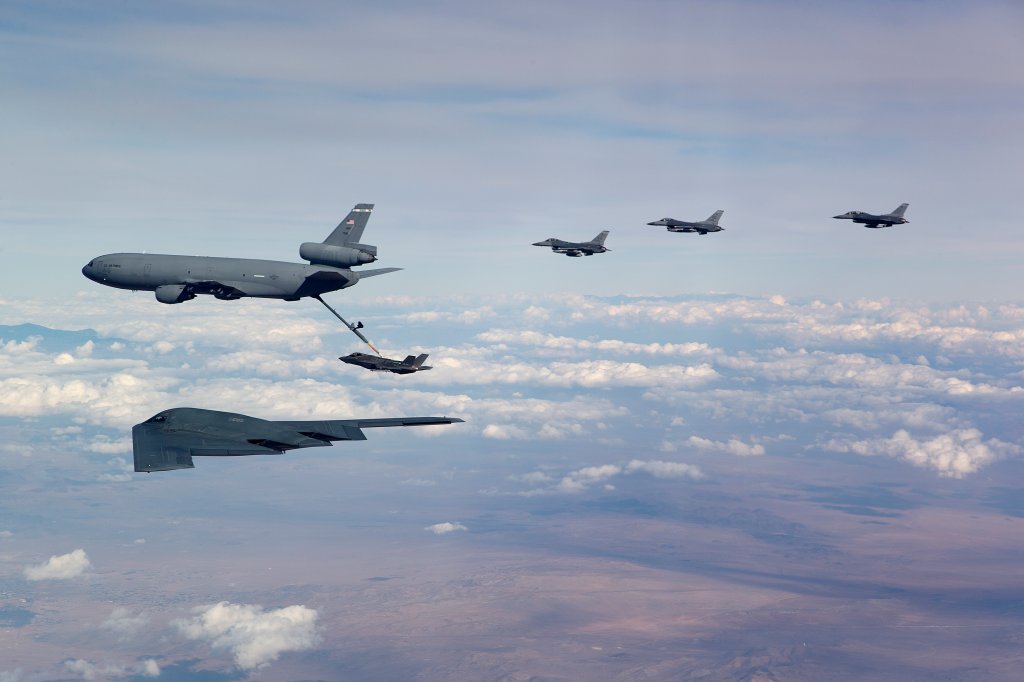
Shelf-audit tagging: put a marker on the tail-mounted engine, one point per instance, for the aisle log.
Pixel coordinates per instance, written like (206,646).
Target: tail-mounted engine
(337,256)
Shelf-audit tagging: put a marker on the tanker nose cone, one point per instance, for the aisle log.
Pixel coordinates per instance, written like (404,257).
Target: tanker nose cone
(87,270)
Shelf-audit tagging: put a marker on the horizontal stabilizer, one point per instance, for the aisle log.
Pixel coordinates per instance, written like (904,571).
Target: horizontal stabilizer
(378,271)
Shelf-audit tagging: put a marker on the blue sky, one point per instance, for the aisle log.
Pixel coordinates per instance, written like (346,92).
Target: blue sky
(791,446)
(234,129)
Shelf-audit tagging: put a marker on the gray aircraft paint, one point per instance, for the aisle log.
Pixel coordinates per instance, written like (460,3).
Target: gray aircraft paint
(701,227)
(576,249)
(170,439)
(175,279)
(876,221)
(411,364)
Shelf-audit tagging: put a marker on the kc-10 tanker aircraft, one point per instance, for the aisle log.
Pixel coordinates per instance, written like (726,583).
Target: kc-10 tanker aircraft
(175,279)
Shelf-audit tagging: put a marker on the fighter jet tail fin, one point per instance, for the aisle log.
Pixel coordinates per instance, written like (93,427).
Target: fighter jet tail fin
(350,230)
(715,217)
(900,210)
(599,239)
(418,360)
(409,360)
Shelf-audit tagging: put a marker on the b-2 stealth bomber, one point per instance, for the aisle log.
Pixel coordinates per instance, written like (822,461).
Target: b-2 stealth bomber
(577,249)
(411,364)
(701,227)
(169,440)
(175,279)
(876,221)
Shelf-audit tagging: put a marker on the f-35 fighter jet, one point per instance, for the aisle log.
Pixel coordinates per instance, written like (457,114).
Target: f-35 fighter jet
(175,279)
(412,363)
(701,226)
(874,221)
(577,249)
(169,440)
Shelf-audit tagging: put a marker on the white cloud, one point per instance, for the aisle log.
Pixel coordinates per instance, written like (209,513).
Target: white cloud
(534,477)
(954,454)
(504,432)
(418,482)
(124,624)
(60,567)
(582,479)
(571,346)
(88,670)
(662,469)
(123,468)
(579,480)
(445,528)
(733,446)
(254,637)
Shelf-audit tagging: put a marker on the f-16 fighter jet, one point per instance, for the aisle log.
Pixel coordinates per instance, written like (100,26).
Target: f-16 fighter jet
(175,279)
(874,221)
(577,249)
(170,439)
(412,363)
(701,226)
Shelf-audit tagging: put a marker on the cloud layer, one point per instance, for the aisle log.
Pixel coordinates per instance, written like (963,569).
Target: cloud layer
(60,567)
(253,636)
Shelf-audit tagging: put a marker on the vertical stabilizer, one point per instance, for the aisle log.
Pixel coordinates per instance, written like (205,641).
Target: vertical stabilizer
(350,230)
(900,211)
(599,239)
(715,217)
(420,359)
